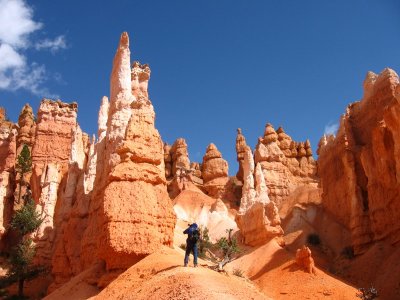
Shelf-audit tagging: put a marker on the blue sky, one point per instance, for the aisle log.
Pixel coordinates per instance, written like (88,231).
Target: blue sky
(216,65)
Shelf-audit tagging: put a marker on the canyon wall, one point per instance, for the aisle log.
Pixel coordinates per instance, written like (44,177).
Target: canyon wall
(360,166)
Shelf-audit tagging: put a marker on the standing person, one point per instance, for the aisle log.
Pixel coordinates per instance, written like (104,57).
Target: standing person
(191,243)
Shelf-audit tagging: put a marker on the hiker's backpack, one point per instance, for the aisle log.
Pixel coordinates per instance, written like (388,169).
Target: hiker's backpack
(195,236)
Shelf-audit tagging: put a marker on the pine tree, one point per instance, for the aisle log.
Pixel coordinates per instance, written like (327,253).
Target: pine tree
(24,222)
(23,166)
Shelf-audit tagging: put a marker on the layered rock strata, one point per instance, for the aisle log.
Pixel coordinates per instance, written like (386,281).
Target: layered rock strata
(360,167)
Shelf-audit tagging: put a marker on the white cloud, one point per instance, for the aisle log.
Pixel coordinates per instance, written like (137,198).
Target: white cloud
(331,129)
(16,28)
(9,58)
(53,45)
(16,23)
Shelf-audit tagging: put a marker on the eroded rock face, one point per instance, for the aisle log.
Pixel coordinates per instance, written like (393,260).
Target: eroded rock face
(240,151)
(121,98)
(8,154)
(179,155)
(213,165)
(51,154)
(27,127)
(215,174)
(138,215)
(286,165)
(360,167)
(258,218)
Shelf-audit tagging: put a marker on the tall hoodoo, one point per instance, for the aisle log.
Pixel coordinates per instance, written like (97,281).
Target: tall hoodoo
(120,99)
(26,130)
(179,155)
(136,211)
(240,152)
(360,167)
(103,118)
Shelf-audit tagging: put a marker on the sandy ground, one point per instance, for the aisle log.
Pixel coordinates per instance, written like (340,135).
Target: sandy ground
(274,271)
(162,276)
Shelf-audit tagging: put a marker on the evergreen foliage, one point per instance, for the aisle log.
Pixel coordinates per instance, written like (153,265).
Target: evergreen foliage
(25,221)
(229,246)
(24,161)
(204,242)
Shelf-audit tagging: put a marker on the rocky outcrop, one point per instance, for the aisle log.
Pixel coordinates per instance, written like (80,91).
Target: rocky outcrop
(360,167)
(240,151)
(138,215)
(213,166)
(286,164)
(167,160)
(25,136)
(51,155)
(121,98)
(217,183)
(27,127)
(8,154)
(258,218)
(179,155)
(304,260)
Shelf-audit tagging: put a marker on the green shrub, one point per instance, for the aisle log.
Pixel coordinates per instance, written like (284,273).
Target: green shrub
(229,246)
(204,242)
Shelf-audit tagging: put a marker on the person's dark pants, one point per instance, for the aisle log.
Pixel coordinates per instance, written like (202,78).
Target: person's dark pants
(191,248)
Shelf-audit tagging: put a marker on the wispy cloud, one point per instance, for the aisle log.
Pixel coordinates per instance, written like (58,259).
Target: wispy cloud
(331,128)
(16,28)
(53,45)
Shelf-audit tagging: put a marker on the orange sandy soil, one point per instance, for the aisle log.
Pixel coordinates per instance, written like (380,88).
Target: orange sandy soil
(275,272)
(162,276)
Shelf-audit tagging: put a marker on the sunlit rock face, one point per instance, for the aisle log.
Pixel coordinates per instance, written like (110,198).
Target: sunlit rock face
(286,165)
(130,203)
(51,153)
(360,166)
(258,218)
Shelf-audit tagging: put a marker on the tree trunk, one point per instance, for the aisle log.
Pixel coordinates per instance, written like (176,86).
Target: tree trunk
(21,287)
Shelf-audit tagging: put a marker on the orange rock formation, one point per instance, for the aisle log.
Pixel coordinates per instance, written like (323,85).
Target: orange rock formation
(304,259)
(359,167)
